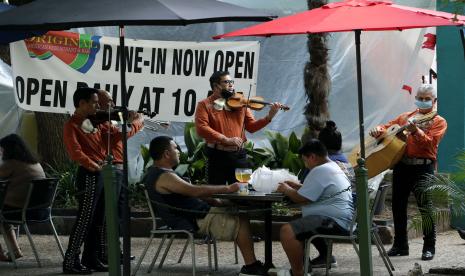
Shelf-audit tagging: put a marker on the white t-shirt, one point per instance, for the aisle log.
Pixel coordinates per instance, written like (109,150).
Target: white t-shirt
(323,186)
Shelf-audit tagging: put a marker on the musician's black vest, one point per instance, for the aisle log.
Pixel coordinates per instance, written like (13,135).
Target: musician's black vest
(175,219)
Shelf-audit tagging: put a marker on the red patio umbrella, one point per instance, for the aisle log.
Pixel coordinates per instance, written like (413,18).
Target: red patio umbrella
(352,15)
(455,17)
(357,16)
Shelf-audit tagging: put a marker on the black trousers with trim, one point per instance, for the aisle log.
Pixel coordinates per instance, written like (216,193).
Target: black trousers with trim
(221,165)
(407,179)
(89,227)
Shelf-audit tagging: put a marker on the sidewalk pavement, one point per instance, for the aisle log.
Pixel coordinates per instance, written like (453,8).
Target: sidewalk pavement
(450,251)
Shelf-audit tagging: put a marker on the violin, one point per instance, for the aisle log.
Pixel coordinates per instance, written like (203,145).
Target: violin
(117,114)
(238,100)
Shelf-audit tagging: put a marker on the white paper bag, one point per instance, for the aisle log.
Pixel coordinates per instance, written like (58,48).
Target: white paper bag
(266,181)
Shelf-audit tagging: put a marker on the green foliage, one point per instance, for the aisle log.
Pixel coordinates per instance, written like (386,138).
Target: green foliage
(285,152)
(193,162)
(258,157)
(191,139)
(66,191)
(280,209)
(444,191)
(144,151)
(136,196)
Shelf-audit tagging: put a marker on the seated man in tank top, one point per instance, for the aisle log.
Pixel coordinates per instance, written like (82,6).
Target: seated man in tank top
(166,187)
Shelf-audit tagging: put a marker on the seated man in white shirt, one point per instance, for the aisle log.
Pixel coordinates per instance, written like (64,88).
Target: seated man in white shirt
(327,206)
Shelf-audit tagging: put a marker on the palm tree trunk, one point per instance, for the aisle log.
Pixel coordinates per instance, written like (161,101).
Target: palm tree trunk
(316,79)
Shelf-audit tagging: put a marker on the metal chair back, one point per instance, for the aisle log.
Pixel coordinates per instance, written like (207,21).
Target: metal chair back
(151,209)
(352,236)
(3,188)
(41,195)
(37,209)
(170,235)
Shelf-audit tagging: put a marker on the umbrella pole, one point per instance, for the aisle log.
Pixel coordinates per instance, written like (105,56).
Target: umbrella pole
(126,217)
(462,37)
(363,214)
(111,217)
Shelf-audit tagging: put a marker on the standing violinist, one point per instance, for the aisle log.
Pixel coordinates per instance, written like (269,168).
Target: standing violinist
(84,144)
(115,147)
(418,161)
(223,129)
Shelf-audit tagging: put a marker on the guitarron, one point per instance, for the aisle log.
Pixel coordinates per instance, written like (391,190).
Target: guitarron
(384,152)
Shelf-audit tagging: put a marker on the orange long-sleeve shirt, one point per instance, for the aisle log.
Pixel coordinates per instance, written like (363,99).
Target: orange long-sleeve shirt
(116,142)
(424,142)
(85,148)
(211,124)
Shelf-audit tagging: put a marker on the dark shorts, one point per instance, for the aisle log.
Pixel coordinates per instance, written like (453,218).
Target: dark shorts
(308,226)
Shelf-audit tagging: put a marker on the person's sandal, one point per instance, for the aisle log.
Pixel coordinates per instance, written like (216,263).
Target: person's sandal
(7,258)
(18,254)
(4,257)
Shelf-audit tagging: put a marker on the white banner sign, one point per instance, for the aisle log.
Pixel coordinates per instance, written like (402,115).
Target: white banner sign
(164,77)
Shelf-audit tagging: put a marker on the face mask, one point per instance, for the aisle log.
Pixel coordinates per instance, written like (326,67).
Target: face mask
(226,93)
(424,105)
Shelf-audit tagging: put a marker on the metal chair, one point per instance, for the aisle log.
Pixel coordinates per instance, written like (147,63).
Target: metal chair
(36,209)
(3,188)
(352,237)
(170,234)
(375,229)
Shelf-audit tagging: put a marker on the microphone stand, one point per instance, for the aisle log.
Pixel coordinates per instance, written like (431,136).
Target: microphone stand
(126,216)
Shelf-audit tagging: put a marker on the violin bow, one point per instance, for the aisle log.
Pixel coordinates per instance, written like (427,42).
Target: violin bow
(245,113)
(109,149)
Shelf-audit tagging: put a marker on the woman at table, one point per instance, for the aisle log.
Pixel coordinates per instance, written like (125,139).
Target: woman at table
(19,166)
(331,137)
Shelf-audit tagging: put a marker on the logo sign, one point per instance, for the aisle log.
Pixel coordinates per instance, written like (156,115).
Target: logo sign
(164,77)
(76,50)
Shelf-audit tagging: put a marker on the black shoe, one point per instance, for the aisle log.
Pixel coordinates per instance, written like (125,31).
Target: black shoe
(256,268)
(76,269)
(320,262)
(427,255)
(96,265)
(397,251)
(256,238)
(121,260)
(131,258)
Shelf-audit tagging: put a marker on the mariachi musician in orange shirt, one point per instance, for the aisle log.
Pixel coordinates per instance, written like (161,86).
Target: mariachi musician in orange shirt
(106,105)
(222,128)
(84,143)
(418,161)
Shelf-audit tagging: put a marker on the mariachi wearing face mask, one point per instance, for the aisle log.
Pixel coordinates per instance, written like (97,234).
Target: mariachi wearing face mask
(424,105)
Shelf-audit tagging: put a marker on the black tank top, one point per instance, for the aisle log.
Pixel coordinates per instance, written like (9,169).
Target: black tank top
(175,219)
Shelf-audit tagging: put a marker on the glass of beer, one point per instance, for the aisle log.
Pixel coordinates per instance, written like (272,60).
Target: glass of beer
(243,176)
